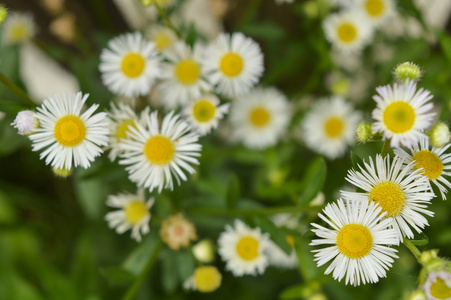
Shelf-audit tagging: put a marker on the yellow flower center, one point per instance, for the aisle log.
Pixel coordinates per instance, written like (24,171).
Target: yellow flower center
(70,131)
(389,196)
(375,7)
(247,248)
(354,240)
(135,212)
(162,41)
(159,150)
(440,290)
(19,33)
(290,240)
(133,65)
(334,127)
(122,129)
(231,64)
(204,111)
(430,162)
(259,117)
(207,279)
(399,117)
(347,32)
(187,71)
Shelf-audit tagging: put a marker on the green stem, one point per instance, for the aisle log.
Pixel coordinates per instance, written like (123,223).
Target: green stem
(385,147)
(413,249)
(134,288)
(248,212)
(16,90)
(166,19)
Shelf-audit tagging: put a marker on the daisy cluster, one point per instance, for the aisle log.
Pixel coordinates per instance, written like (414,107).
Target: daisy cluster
(392,193)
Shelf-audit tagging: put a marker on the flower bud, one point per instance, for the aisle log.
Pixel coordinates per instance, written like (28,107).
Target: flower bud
(363,131)
(25,122)
(62,172)
(439,135)
(203,251)
(408,71)
(3,14)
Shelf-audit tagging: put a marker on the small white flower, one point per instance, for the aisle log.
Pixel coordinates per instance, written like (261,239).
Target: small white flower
(163,37)
(133,213)
(357,242)
(18,28)
(260,117)
(348,31)
(376,11)
(243,249)
(25,122)
(402,113)
(183,77)
(330,127)
(154,154)
(438,285)
(177,232)
(71,139)
(402,193)
(205,112)
(233,63)
(129,65)
(435,163)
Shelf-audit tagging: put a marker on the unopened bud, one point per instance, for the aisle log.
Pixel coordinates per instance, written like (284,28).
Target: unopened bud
(203,251)
(439,135)
(3,14)
(363,131)
(62,172)
(408,71)
(417,295)
(427,256)
(25,122)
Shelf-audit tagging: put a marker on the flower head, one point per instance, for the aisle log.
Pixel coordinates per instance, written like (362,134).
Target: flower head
(176,231)
(357,241)
(69,137)
(18,28)
(206,279)
(129,65)
(133,213)
(163,37)
(25,122)
(439,135)
(438,285)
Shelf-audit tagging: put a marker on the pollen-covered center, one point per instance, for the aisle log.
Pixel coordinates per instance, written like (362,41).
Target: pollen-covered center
(70,131)
(133,65)
(375,7)
(159,150)
(207,279)
(333,127)
(389,196)
(259,117)
(347,32)
(440,290)
(399,117)
(354,240)
(430,162)
(136,211)
(187,71)
(204,111)
(231,64)
(19,32)
(122,129)
(162,41)
(290,240)
(247,248)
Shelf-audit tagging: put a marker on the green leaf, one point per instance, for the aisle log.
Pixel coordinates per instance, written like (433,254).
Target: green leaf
(233,191)
(185,263)
(420,240)
(356,160)
(117,275)
(277,235)
(307,266)
(264,30)
(313,179)
(296,291)
(169,276)
(445,42)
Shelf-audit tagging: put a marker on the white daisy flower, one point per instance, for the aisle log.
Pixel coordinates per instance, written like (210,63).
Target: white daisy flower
(435,163)
(71,139)
(260,117)
(348,31)
(234,63)
(243,249)
(182,76)
(129,65)
(330,127)
(133,213)
(121,118)
(376,11)
(163,37)
(204,113)
(358,241)
(18,28)
(401,192)
(155,154)
(438,285)
(402,113)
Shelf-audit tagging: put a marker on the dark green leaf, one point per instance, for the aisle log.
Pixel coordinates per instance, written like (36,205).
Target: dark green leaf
(313,179)
(117,275)
(420,240)
(277,235)
(233,191)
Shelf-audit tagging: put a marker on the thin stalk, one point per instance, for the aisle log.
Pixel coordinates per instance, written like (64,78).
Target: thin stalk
(385,147)
(413,249)
(167,20)
(134,288)
(248,212)
(16,90)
